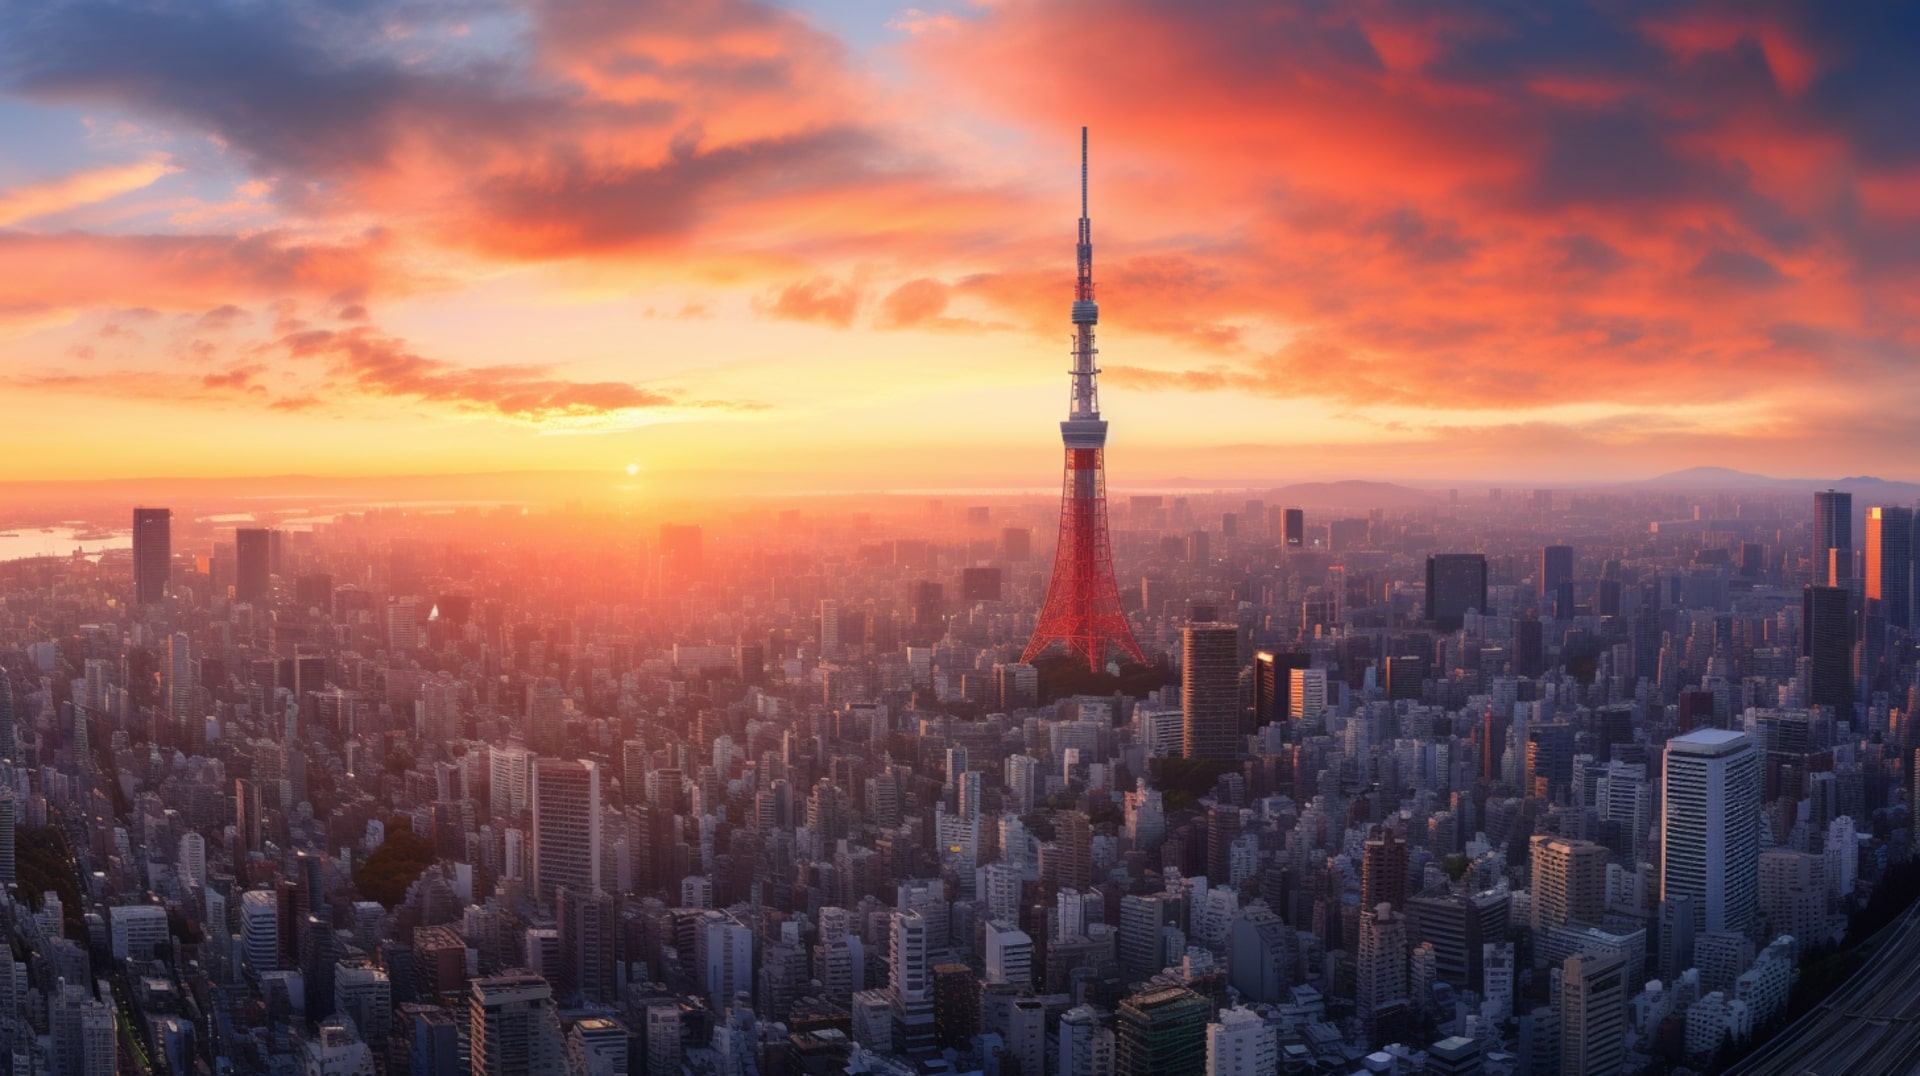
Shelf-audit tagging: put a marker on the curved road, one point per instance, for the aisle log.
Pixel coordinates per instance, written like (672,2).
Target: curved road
(1868,1027)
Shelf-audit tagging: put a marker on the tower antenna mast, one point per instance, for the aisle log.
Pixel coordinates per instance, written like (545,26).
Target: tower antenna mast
(1082,610)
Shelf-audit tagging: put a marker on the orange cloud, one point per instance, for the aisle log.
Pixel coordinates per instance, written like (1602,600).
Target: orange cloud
(78,189)
(366,361)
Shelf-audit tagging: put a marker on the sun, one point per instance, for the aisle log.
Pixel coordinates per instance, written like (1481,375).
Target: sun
(632,469)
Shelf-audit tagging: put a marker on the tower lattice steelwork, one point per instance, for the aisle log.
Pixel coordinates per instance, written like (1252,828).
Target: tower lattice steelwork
(1083,604)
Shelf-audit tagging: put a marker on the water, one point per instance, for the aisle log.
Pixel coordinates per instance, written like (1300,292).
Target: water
(22,542)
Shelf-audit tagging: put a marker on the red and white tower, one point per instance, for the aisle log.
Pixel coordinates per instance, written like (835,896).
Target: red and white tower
(1083,604)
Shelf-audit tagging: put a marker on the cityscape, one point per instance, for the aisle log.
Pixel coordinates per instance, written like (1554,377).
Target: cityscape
(691,695)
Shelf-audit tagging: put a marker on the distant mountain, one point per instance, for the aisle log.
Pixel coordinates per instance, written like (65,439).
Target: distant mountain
(1707,478)
(1353,494)
(1866,488)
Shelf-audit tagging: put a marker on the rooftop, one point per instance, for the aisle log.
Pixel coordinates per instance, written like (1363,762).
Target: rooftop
(1708,742)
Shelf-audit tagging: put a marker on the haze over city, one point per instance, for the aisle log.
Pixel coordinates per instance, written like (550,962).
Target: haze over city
(1000,538)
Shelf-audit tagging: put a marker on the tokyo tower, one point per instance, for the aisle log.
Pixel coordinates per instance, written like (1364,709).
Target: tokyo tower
(1083,604)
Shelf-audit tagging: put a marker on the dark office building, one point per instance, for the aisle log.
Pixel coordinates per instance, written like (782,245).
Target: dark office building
(1890,564)
(1404,676)
(152,554)
(1827,638)
(253,564)
(1296,528)
(1456,583)
(1832,529)
(1556,567)
(1529,648)
(928,601)
(1016,543)
(1210,691)
(979,585)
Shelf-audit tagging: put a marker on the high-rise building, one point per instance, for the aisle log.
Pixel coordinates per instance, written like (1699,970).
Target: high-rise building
(1827,640)
(1380,973)
(566,826)
(1162,1032)
(152,554)
(1569,881)
(513,1028)
(1009,955)
(1456,585)
(1832,530)
(1890,563)
(1273,684)
(260,929)
(1458,926)
(1086,1043)
(1210,691)
(253,564)
(1295,523)
(1593,1015)
(84,1029)
(1383,871)
(1082,609)
(1142,919)
(1710,827)
(1308,695)
(1242,1043)
(910,968)
(1260,955)
(1556,567)
(587,930)
(9,729)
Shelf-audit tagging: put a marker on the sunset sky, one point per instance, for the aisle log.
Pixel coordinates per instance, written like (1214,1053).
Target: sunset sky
(830,245)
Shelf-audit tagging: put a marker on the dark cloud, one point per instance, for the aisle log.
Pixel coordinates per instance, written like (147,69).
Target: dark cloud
(1739,268)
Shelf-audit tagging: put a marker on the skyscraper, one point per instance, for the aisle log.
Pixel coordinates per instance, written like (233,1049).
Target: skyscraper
(1593,1015)
(1832,529)
(1380,973)
(1082,609)
(1710,827)
(566,826)
(1569,881)
(1273,684)
(9,731)
(1383,872)
(1890,563)
(513,1027)
(1210,691)
(152,554)
(1242,1043)
(1308,696)
(253,564)
(1296,528)
(1556,581)
(1826,634)
(1456,583)
(1162,1032)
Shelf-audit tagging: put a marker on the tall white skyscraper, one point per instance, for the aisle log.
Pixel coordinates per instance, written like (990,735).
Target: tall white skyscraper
(1710,827)
(566,826)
